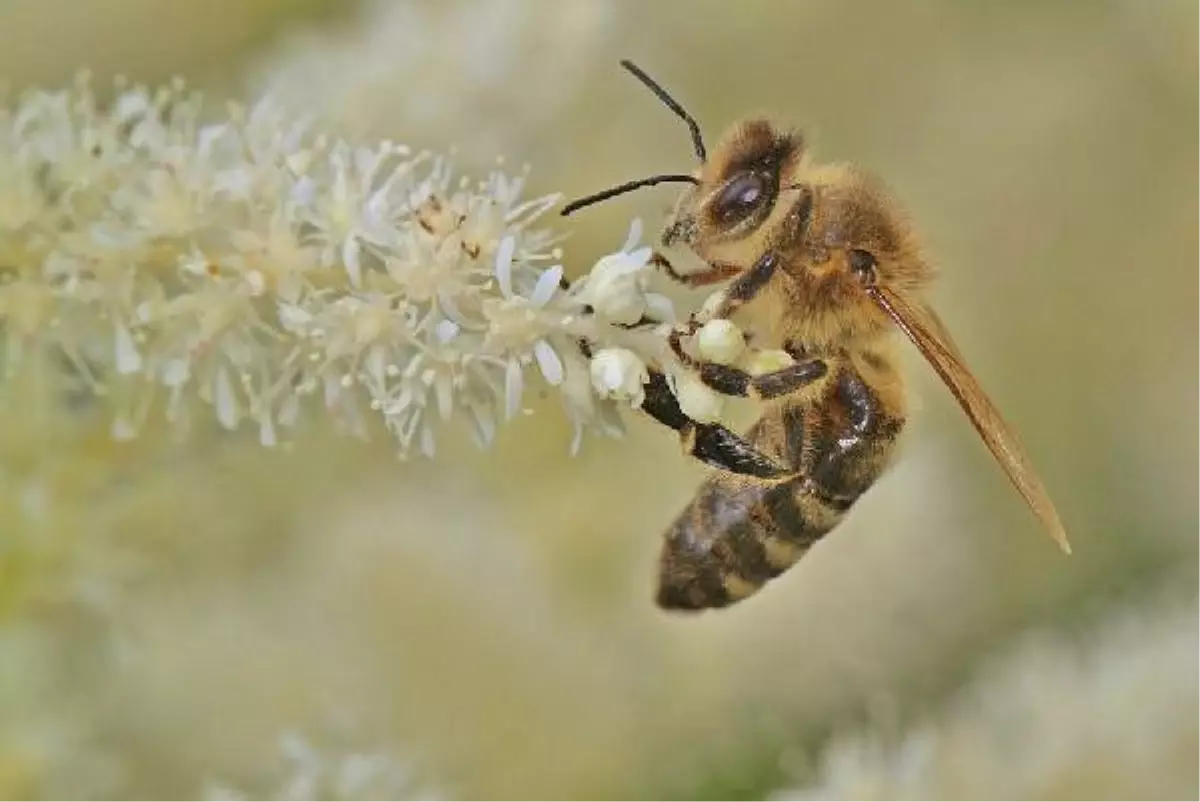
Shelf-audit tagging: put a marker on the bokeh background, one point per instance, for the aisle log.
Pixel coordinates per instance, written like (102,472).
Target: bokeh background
(211,618)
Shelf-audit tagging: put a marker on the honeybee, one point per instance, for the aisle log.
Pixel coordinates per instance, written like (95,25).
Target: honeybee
(825,262)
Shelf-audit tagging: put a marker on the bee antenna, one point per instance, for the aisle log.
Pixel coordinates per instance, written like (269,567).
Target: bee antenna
(672,104)
(628,186)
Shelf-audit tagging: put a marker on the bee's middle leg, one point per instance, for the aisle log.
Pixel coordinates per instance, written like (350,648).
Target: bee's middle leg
(728,380)
(710,443)
(732,381)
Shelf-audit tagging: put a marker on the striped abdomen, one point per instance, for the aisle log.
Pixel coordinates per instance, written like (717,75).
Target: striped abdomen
(738,533)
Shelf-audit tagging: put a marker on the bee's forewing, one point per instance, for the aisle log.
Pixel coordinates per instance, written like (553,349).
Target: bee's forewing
(926,331)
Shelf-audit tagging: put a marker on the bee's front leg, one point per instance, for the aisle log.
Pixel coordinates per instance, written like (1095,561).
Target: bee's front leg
(743,289)
(716,273)
(748,284)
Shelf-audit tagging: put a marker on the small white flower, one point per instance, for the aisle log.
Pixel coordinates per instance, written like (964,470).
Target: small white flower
(352,212)
(620,374)
(720,341)
(616,287)
(517,324)
(696,399)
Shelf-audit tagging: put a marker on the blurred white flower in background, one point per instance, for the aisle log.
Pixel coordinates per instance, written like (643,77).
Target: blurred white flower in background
(416,67)
(1111,717)
(306,770)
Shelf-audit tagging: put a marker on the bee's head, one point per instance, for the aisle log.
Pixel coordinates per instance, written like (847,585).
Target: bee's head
(732,192)
(736,188)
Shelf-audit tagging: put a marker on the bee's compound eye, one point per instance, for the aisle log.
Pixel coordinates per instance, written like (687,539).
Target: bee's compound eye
(740,196)
(863,264)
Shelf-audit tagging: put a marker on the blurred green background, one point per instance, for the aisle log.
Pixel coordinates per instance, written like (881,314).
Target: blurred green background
(487,618)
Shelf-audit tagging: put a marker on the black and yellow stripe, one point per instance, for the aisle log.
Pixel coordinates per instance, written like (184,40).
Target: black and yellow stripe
(740,532)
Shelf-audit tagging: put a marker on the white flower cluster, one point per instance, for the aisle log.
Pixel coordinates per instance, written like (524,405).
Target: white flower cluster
(307,771)
(265,269)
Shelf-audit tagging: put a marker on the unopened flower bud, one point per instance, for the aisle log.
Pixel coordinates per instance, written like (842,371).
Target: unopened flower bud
(619,373)
(616,287)
(720,341)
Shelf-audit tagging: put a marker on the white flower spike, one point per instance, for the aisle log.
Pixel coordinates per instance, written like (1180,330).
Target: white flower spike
(261,269)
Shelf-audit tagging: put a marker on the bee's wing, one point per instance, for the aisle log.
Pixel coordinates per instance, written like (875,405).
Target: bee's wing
(926,331)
